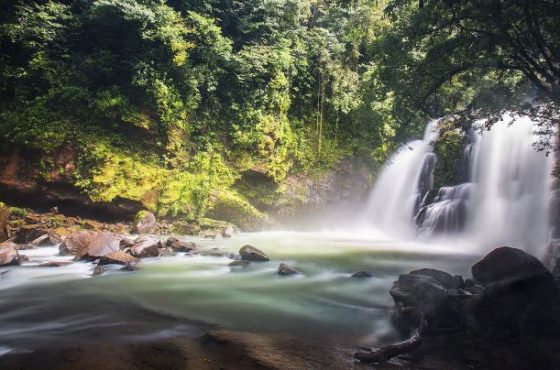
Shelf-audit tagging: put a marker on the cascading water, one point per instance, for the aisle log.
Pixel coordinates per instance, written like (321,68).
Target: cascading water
(505,200)
(395,195)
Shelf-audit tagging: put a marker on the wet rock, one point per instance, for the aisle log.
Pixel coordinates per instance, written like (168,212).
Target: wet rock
(230,231)
(102,244)
(180,246)
(250,253)
(506,263)
(425,294)
(129,266)
(166,252)
(362,274)
(98,270)
(519,296)
(27,233)
(9,255)
(49,239)
(285,270)
(239,263)
(126,243)
(117,258)
(144,222)
(145,248)
(55,263)
(445,279)
(76,243)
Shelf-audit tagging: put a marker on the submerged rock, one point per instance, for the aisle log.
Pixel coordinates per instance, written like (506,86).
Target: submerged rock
(144,222)
(55,263)
(285,270)
(8,254)
(250,253)
(239,263)
(98,270)
(361,274)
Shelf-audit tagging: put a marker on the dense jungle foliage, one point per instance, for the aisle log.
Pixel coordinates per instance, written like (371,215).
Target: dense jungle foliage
(171,102)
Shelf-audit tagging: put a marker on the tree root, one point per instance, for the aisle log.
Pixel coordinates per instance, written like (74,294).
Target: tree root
(388,352)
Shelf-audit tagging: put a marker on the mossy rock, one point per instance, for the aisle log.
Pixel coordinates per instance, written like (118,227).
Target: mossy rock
(18,212)
(231,207)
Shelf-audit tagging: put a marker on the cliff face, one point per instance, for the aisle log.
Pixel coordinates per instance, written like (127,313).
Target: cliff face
(39,181)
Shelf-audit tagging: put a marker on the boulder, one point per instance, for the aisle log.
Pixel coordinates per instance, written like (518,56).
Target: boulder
(179,246)
(425,294)
(506,263)
(145,248)
(102,244)
(144,222)
(27,233)
(8,254)
(519,296)
(51,238)
(98,270)
(76,243)
(285,270)
(362,274)
(445,279)
(117,258)
(250,253)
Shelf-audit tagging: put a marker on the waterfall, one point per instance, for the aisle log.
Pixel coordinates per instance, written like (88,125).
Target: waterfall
(393,199)
(505,200)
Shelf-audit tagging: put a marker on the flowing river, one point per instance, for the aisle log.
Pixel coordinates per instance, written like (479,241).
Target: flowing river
(184,295)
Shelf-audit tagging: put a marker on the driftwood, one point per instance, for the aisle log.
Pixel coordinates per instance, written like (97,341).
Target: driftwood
(386,353)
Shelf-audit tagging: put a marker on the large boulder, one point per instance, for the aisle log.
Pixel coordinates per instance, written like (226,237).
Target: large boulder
(76,243)
(519,296)
(428,295)
(9,254)
(445,279)
(506,263)
(145,248)
(102,244)
(179,246)
(250,253)
(144,222)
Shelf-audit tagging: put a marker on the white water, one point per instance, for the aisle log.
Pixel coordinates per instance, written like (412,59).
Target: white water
(506,201)
(391,204)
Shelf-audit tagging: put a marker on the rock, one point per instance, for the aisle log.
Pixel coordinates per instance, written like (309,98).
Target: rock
(98,270)
(129,266)
(93,225)
(506,263)
(63,232)
(210,234)
(4,227)
(519,296)
(427,295)
(27,233)
(166,252)
(214,252)
(8,254)
(76,243)
(102,244)
(180,246)
(445,279)
(285,270)
(117,258)
(239,263)
(145,248)
(362,274)
(49,239)
(144,222)
(185,228)
(230,231)
(55,263)
(250,253)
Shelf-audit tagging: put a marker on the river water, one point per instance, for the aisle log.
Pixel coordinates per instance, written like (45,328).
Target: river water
(185,295)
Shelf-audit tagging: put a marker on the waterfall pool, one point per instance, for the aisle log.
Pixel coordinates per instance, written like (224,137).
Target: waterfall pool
(185,295)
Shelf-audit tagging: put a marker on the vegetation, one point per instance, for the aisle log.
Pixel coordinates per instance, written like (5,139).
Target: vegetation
(172,103)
